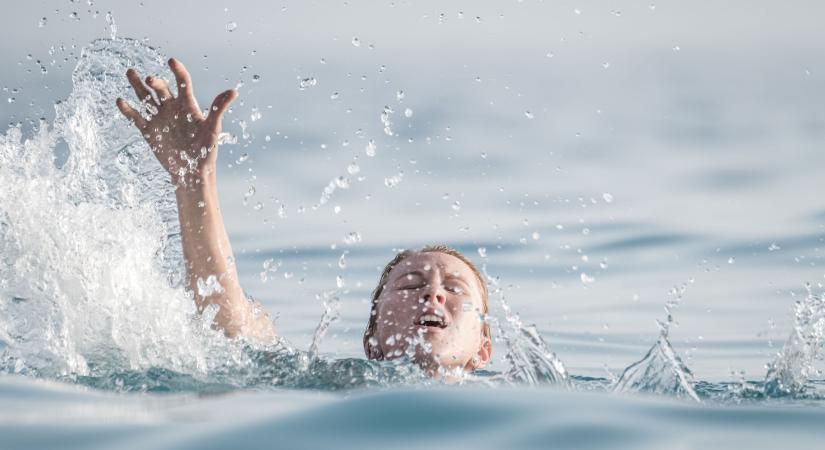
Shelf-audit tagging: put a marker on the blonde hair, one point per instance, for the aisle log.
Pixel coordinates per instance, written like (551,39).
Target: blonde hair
(372,351)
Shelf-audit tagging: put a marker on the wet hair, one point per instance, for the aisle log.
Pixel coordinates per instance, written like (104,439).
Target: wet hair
(372,351)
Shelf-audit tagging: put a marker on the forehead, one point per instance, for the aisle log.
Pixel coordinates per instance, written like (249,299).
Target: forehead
(426,261)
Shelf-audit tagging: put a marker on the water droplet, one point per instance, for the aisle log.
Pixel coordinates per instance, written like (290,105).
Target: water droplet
(256,78)
(536,236)
(242,158)
(390,340)
(353,237)
(585,231)
(307,82)
(370,149)
(339,281)
(356,42)
(288,275)
(74,16)
(467,306)
(258,206)
(528,114)
(231,26)
(334,96)
(456,205)
(353,168)
(773,247)
(392,181)
(399,95)
(652,7)
(608,198)
(42,22)
(586,279)
(408,113)
(603,263)
(731,260)
(606,65)
(482,252)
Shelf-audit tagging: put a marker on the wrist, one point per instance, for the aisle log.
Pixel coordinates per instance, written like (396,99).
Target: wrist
(201,180)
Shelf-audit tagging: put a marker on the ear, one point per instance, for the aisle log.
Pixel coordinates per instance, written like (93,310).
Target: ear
(373,352)
(485,352)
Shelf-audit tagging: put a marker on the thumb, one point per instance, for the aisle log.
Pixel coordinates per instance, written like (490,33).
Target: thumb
(219,107)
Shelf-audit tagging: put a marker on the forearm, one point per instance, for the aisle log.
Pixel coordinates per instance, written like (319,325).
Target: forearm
(208,253)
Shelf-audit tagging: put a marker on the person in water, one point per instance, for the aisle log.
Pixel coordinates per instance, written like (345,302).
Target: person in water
(429,304)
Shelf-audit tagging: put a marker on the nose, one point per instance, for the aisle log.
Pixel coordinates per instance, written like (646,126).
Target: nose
(435,295)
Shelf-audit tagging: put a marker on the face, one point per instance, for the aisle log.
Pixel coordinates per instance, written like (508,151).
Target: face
(431,309)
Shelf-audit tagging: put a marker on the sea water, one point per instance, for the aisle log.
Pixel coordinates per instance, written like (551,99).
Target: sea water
(101,347)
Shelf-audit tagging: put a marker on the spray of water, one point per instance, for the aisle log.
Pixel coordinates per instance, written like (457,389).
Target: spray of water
(793,366)
(661,370)
(90,264)
(530,360)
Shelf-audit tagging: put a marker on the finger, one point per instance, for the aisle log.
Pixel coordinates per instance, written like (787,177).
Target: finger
(182,77)
(143,94)
(160,87)
(219,107)
(131,113)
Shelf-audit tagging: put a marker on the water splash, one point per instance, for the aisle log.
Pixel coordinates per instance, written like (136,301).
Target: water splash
(661,370)
(332,305)
(793,366)
(530,360)
(90,262)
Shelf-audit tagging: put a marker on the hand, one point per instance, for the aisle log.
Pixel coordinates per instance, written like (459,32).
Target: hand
(184,141)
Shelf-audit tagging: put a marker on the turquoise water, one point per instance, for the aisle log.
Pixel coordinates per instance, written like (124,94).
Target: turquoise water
(658,220)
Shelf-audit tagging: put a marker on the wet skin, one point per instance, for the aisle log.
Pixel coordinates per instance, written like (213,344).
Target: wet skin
(431,309)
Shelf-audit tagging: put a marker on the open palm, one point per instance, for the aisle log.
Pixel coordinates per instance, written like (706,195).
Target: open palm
(183,140)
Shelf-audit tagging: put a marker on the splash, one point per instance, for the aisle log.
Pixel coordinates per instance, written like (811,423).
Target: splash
(661,370)
(90,263)
(530,360)
(793,366)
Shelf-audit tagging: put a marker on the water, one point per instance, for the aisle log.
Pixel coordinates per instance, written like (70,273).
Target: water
(584,217)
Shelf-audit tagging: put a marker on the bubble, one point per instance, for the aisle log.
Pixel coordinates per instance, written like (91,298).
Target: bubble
(231,26)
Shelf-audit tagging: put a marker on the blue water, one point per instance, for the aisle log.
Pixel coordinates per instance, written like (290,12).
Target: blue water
(656,218)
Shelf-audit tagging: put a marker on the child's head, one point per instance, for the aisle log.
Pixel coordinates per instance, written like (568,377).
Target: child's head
(433,299)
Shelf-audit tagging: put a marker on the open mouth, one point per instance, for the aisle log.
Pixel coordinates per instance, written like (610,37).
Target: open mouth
(433,321)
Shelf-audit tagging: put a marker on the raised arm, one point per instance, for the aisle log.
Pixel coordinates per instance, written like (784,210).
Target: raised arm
(186,144)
